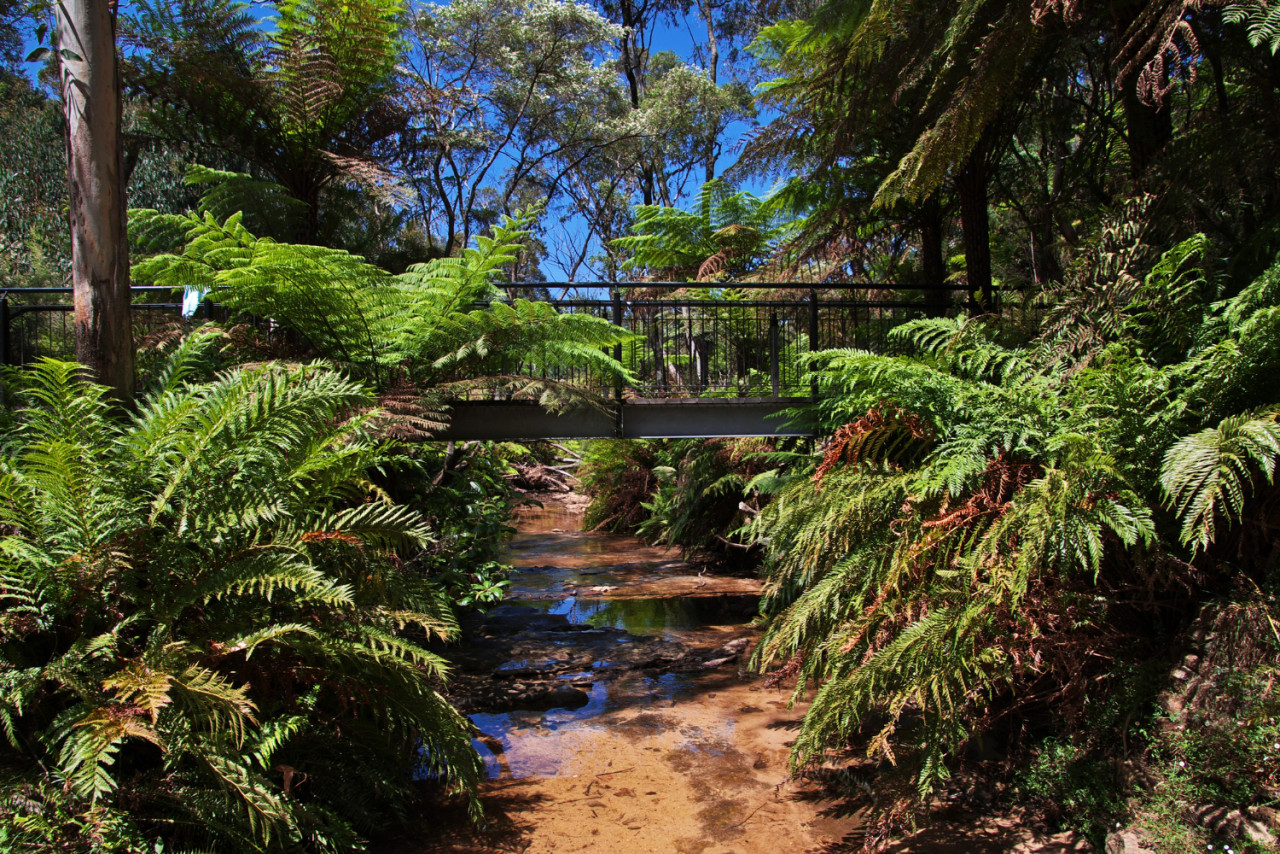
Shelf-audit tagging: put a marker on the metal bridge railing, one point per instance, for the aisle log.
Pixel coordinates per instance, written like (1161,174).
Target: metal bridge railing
(726,344)
(38,322)
(737,346)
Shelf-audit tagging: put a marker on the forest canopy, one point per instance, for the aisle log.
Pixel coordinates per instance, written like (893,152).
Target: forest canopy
(1023,510)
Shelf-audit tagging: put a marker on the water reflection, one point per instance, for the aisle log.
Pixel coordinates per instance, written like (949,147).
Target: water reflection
(559,569)
(644,617)
(541,743)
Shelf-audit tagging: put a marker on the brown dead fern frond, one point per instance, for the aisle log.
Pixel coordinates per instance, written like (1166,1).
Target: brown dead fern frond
(1159,47)
(162,336)
(885,434)
(405,415)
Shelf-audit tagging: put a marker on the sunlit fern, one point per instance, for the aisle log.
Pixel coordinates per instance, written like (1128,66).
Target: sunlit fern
(204,606)
(1261,21)
(959,489)
(441,322)
(725,236)
(1208,477)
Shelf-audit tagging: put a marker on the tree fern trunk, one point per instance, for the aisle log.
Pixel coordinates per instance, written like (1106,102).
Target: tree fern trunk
(1044,260)
(972,186)
(932,265)
(1147,129)
(95,171)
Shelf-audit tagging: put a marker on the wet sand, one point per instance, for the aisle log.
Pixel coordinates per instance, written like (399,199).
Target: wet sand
(705,774)
(690,760)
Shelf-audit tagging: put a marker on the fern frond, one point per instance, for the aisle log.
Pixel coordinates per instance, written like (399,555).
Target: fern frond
(1210,474)
(1261,22)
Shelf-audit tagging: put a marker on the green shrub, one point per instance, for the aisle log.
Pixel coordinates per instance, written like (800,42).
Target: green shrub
(619,475)
(209,636)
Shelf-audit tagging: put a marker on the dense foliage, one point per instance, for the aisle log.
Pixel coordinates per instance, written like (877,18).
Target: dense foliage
(1010,533)
(999,525)
(308,103)
(686,493)
(206,605)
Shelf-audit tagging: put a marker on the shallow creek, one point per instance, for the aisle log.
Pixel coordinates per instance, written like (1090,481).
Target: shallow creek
(615,712)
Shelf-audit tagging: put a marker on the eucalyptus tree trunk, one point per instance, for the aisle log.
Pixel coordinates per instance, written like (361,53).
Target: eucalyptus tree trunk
(713,73)
(634,59)
(95,173)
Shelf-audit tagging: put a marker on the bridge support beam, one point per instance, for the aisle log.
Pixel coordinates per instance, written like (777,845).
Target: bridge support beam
(631,419)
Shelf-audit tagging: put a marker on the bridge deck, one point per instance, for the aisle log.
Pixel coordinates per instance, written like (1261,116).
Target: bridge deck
(630,419)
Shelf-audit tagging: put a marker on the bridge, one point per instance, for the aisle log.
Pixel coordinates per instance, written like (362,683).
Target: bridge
(709,360)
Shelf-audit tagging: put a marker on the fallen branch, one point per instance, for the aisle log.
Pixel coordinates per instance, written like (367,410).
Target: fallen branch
(565,450)
(563,470)
(733,545)
(750,814)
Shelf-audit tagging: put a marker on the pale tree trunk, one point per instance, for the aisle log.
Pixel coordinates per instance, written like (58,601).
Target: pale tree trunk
(634,59)
(713,72)
(95,170)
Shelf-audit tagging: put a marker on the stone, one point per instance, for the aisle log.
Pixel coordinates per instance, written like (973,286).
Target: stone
(1236,823)
(1268,816)
(1126,841)
(735,647)
(1258,834)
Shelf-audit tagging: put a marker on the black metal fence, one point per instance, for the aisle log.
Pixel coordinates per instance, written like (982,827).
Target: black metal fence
(735,346)
(38,322)
(724,344)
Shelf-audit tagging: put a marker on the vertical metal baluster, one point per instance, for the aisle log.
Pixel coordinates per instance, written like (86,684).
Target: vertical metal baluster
(718,346)
(814,344)
(705,343)
(4,328)
(773,354)
(660,350)
(618,320)
(760,336)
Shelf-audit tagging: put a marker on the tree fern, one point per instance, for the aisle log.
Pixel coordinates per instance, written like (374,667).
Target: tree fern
(727,236)
(223,583)
(984,508)
(307,101)
(440,322)
(960,490)
(1210,475)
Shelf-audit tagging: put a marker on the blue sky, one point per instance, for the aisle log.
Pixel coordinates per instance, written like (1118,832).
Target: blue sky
(668,36)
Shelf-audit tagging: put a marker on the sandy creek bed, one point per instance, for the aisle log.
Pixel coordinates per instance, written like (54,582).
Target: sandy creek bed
(616,717)
(657,745)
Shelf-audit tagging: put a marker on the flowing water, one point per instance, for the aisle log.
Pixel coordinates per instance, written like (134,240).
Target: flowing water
(640,613)
(615,713)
